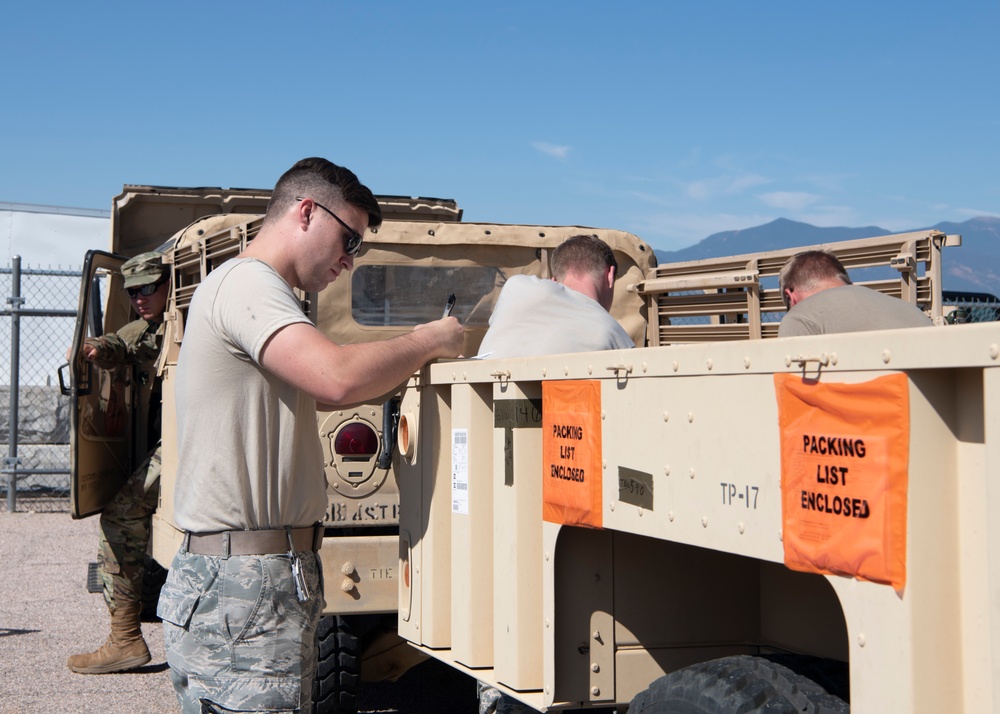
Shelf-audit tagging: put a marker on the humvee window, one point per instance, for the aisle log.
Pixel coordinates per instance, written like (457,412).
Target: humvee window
(407,295)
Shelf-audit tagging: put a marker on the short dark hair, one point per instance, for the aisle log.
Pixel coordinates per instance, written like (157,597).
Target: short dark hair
(582,254)
(325,182)
(808,269)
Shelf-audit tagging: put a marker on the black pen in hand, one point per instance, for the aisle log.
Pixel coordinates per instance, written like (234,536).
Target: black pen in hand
(449,305)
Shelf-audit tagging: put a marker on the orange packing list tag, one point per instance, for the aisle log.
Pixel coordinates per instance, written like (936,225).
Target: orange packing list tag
(844,473)
(571,453)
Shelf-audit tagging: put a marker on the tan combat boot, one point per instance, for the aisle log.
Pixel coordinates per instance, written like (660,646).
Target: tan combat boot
(124,650)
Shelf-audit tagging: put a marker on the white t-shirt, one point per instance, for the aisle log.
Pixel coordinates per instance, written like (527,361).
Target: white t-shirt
(542,317)
(249,454)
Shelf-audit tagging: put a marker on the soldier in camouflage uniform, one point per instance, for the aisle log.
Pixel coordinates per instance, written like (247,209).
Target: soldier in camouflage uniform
(126,521)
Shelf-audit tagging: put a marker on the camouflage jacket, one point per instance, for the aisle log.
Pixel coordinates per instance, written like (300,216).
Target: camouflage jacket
(137,343)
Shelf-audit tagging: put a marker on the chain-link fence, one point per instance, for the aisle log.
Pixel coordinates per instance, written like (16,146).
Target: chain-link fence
(36,330)
(965,307)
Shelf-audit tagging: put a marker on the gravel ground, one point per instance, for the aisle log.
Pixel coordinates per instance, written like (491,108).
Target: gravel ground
(46,614)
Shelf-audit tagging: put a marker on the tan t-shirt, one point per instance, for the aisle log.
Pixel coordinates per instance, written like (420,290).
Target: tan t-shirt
(248,447)
(850,308)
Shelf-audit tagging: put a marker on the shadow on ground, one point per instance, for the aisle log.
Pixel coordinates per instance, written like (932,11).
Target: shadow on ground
(429,688)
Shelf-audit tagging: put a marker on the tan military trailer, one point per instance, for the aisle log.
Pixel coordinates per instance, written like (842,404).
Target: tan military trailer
(722,521)
(403,276)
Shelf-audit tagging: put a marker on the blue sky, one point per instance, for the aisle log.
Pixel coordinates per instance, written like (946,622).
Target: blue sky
(668,119)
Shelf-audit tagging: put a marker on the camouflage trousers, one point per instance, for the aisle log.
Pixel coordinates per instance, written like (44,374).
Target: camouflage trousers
(493,701)
(238,639)
(124,534)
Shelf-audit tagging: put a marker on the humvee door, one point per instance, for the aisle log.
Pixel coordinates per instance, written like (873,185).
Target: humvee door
(101,425)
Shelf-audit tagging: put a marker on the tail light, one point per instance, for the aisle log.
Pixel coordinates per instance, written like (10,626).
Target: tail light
(356,441)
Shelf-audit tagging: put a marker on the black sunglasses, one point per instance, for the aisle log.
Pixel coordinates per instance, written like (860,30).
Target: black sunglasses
(353,242)
(144,290)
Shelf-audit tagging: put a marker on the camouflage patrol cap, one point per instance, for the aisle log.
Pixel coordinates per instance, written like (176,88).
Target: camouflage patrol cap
(144,269)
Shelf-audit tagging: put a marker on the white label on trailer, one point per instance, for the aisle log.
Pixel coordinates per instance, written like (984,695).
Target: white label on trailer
(460,471)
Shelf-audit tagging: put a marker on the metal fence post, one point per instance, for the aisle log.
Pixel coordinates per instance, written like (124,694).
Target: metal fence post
(11,462)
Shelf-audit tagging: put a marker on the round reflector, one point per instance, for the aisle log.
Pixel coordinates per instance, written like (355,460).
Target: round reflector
(356,439)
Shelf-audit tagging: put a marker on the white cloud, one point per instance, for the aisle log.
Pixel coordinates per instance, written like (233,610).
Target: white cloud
(558,152)
(673,231)
(830,216)
(975,212)
(742,183)
(789,200)
(699,190)
(726,185)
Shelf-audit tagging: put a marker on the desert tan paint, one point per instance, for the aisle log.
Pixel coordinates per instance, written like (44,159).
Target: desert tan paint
(689,571)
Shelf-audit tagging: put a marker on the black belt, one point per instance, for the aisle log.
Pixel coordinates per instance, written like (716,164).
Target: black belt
(262,542)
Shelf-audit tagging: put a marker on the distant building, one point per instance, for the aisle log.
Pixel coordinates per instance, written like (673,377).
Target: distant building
(51,236)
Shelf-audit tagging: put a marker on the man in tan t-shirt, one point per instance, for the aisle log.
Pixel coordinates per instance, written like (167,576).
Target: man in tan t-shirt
(821,299)
(244,596)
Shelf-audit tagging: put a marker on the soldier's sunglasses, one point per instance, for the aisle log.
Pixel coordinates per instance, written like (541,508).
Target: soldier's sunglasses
(144,290)
(352,244)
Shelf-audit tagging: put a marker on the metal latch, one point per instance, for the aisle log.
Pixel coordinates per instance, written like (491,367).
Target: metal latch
(823,359)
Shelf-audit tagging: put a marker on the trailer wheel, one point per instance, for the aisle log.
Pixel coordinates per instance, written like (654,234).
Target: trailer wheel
(736,684)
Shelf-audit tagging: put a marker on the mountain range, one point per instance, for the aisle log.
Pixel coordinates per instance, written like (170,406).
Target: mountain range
(972,267)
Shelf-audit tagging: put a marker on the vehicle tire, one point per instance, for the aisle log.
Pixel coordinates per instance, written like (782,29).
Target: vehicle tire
(152,580)
(338,668)
(736,684)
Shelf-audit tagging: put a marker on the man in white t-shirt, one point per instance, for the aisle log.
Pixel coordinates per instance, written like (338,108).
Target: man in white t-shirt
(244,596)
(568,313)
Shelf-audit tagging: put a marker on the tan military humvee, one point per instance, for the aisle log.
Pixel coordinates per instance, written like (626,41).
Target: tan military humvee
(403,276)
(720,521)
